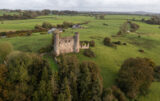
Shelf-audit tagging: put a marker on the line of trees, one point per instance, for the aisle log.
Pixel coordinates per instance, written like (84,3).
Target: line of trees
(28,14)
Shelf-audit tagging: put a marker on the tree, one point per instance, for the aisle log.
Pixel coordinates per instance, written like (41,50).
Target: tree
(90,82)
(30,78)
(113,94)
(68,72)
(18,77)
(133,26)
(4,84)
(135,76)
(5,49)
(78,82)
(124,28)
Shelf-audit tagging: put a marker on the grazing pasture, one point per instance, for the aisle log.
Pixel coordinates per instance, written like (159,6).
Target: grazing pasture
(109,59)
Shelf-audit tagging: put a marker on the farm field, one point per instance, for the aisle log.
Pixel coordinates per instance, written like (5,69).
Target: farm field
(108,59)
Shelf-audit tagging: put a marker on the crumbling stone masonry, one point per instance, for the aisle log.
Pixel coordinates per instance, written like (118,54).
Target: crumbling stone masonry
(67,44)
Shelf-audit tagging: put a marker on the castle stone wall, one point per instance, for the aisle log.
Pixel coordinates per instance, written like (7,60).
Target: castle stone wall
(67,44)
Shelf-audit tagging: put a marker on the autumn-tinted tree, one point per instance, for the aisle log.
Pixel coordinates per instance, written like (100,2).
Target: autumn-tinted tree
(135,76)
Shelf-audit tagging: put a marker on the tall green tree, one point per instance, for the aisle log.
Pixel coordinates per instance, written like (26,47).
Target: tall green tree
(135,76)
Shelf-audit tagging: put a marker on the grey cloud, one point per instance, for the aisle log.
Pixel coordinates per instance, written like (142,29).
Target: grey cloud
(94,5)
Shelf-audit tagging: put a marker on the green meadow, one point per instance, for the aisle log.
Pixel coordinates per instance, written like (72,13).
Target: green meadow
(108,59)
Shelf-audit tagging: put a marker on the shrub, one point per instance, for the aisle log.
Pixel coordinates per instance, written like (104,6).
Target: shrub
(134,27)
(46,49)
(141,51)
(47,25)
(38,27)
(89,53)
(105,24)
(107,41)
(157,73)
(154,20)
(67,24)
(125,44)
(5,49)
(135,76)
(92,43)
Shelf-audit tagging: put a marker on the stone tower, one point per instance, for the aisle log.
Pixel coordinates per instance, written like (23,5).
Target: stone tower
(56,42)
(76,42)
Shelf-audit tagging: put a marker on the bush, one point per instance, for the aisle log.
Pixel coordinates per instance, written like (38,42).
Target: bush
(135,76)
(157,73)
(67,24)
(47,25)
(107,41)
(47,49)
(141,50)
(38,27)
(133,26)
(92,43)
(154,20)
(89,53)
(5,49)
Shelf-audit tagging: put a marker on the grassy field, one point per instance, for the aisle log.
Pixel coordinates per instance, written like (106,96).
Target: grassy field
(108,59)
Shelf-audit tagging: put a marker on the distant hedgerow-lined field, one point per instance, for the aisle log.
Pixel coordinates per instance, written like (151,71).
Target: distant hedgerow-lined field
(108,59)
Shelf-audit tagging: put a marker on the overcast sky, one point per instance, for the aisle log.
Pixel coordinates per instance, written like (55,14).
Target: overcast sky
(84,5)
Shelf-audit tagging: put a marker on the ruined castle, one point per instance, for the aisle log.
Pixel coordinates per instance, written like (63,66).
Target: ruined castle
(64,45)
